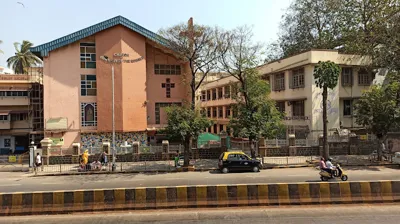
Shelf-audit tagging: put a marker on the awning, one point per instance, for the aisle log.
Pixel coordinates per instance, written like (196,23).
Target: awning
(19,111)
(4,112)
(60,123)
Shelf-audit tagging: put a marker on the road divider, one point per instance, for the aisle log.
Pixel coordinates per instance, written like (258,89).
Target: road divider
(199,197)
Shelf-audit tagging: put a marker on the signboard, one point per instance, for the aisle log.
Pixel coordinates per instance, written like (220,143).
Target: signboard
(363,137)
(12,159)
(124,55)
(57,141)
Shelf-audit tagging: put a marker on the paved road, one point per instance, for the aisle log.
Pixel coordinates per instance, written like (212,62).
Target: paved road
(20,182)
(349,214)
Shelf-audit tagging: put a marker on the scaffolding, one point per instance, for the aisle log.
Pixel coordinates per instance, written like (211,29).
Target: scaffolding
(36,105)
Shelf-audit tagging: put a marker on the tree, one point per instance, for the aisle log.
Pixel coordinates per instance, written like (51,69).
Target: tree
(310,24)
(1,52)
(200,46)
(23,59)
(326,75)
(371,29)
(186,123)
(379,109)
(257,115)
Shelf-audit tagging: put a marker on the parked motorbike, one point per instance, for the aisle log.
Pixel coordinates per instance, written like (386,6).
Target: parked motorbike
(337,173)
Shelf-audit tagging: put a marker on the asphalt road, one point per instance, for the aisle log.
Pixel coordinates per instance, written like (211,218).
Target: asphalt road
(17,182)
(348,214)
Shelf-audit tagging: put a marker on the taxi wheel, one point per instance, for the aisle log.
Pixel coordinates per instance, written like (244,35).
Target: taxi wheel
(225,170)
(256,169)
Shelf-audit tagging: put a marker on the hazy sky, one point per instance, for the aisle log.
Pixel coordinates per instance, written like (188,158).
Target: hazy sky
(41,21)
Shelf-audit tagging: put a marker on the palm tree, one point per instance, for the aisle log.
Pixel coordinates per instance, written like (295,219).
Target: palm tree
(1,52)
(23,58)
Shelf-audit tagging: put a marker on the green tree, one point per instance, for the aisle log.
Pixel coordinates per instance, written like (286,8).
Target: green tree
(379,109)
(23,58)
(326,75)
(186,123)
(310,24)
(257,115)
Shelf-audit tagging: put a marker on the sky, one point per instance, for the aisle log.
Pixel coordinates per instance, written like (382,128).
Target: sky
(41,21)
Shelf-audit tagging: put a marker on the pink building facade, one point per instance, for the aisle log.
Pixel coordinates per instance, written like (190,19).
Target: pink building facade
(78,91)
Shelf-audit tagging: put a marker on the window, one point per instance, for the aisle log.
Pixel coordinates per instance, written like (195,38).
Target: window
(13,93)
(347,107)
(215,129)
(19,117)
(364,78)
(88,55)
(220,112)
(214,112)
(203,96)
(88,85)
(167,69)
(298,108)
(89,114)
(347,76)
(227,92)
(227,112)
(158,107)
(297,80)
(214,94)
(220,95)
(208,111)
(3,117)
(279,83)
(280,106)
(221,127)
(208,95)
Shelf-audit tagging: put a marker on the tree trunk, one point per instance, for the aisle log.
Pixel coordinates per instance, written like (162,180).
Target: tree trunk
(186,154)
(325,122)
(193,88)
(380,148)
(252,147)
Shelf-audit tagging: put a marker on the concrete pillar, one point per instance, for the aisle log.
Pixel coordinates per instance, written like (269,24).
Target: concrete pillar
(46,146)
(106,147)
(135,147)
(165,146)
(292,140)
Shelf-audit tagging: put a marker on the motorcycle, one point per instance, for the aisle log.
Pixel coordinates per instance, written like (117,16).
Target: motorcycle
(337,173)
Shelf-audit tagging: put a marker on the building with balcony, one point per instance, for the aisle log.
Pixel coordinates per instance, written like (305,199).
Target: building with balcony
(296,95)
(21,111)
(78,92)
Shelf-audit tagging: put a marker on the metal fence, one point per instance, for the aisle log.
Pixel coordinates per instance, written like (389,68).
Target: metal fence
(14,162)
(72,164)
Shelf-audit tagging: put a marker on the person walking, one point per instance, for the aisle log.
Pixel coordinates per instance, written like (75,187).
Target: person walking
(38,161)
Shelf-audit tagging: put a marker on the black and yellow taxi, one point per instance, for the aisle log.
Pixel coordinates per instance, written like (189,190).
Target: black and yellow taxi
(238,161)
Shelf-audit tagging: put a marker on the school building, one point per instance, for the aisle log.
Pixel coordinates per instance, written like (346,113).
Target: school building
(293,88)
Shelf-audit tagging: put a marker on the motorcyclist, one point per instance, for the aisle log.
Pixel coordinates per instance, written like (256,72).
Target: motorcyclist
(322,166)
(330,166)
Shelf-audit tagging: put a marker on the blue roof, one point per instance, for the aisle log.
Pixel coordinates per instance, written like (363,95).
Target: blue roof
(44,49)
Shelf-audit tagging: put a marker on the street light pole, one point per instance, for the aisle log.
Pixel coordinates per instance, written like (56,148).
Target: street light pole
(113,118)
(105,58)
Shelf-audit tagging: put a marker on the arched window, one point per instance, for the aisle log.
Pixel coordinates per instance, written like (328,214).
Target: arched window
(89,114)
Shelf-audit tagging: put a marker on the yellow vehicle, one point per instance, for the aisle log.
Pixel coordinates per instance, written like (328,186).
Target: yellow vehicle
(238,161)
(338,173)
